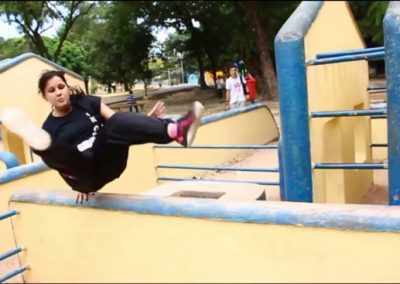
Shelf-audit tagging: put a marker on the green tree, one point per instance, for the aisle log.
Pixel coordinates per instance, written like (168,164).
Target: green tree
(369,16)
(33,18)
(13,47)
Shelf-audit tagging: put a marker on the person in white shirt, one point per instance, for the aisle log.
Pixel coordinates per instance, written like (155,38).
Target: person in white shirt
(235,95)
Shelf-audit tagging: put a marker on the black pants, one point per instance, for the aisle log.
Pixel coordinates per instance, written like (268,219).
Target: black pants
(220,93)
(107,161)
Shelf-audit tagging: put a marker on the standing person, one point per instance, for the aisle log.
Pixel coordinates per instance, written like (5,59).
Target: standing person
(220,88)
(86,141)
(235,94)
(131,100)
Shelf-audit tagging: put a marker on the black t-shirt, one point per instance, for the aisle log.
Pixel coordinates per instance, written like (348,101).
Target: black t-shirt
(80,127)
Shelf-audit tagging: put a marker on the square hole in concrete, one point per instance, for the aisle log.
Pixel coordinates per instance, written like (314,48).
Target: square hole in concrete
(198,194)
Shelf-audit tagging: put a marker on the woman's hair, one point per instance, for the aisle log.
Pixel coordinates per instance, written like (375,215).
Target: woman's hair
(47,75)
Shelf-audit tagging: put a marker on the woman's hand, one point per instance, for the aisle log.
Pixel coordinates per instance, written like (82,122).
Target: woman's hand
(83,197)
(158,110)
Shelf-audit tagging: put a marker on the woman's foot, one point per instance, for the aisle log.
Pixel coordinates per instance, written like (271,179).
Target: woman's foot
(16,121)
(188,124)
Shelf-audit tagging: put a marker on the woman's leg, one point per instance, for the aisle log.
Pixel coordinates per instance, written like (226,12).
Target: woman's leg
(134,128)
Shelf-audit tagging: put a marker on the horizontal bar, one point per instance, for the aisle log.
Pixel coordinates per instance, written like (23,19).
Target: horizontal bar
(10,253)
(376,88)
(8,214)
(216,168)
(349,52)
(350,166)
(361,112)
(378,145)
(14,273)
(379,117)
(273,183)
(346,58)
(219,146)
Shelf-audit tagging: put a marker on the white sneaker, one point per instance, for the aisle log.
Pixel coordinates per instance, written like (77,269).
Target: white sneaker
(16,121)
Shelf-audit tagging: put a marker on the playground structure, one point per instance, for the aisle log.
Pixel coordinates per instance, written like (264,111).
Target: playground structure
(310,235)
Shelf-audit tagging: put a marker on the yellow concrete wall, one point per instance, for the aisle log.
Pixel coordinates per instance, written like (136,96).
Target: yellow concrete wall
(19,89)
(340,86)
(69,245)
(254,127)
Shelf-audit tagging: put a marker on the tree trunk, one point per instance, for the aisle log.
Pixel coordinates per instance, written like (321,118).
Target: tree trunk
(268,70)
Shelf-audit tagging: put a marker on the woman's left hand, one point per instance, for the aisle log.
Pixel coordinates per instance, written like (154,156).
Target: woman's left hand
(83,197)
(158,110)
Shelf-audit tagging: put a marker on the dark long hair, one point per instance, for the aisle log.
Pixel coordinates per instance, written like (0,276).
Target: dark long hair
(47,75)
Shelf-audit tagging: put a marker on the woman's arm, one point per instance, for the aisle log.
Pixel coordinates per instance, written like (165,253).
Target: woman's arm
(105,111)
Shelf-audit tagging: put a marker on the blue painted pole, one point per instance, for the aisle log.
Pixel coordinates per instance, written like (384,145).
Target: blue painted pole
(362,112)
(9,159)
(391,27)
(216,147)
(350,166)
(13,273)
(217,168)
(8,214)
(10,253)
(273,183)
(347,58)
(293,101)
(350,52)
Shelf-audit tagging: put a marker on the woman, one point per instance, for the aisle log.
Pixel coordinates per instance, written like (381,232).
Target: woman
(86,141)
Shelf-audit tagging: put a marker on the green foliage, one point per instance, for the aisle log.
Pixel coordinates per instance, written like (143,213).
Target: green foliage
(369,16)
(12,47)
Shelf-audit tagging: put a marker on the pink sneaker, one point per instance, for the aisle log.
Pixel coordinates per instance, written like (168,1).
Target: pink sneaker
(187,125)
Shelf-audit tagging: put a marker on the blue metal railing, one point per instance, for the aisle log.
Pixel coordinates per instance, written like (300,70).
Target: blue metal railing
(255,147)
(8,214)
(11,253)
(217,168)
(220,168)
(272,183)
(347,58)
(350,166)
(378,145)
(376,88)
(362,112)
(14,273)
(350,52)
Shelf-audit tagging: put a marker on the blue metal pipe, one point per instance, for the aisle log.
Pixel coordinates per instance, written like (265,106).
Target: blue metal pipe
(379,117)
(362,112)
(10,253)
(349,52)
(391,24)
(257,147)
(13,273)
(8,214)
(378,145)
(9,159)
(376,88)
(346,58)
(273,183)
(217,168)
(292,88)
(350,166)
